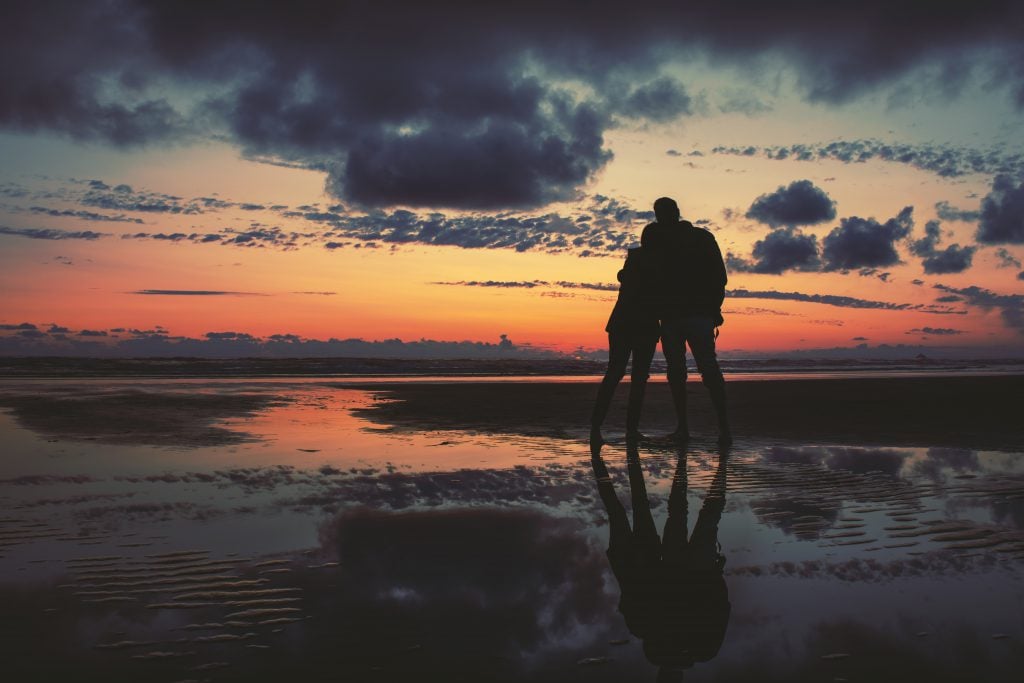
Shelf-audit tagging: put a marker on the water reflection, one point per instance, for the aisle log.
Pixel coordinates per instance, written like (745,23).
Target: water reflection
(673,593)
(429,551)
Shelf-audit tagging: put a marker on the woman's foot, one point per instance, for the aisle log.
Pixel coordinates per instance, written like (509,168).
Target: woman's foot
(635,435)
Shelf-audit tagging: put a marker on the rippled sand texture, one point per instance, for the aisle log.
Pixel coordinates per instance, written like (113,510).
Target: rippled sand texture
(267,530)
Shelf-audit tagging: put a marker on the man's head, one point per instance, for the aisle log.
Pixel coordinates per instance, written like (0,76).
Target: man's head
(666,210)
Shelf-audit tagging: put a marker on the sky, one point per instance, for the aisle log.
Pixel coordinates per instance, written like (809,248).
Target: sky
(462,179)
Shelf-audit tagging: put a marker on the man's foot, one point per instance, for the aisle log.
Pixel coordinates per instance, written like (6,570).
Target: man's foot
(680,435)
(595,436)
(635,435)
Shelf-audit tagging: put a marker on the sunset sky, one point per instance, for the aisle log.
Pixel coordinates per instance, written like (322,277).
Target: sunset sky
(255,174)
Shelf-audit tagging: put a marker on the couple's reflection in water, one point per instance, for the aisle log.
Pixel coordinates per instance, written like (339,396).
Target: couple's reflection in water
(674,597)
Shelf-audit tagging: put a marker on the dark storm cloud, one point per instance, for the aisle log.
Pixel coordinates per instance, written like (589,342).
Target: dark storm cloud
(743,102)
(448,166)
(51,233)
(801,203)
(663,99)
(866,243)
(510,103)
(1002,213)
(779,251)
(1010,306)
(952,259)
(943,160)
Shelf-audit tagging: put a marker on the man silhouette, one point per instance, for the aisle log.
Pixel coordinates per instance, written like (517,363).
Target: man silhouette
(691,279)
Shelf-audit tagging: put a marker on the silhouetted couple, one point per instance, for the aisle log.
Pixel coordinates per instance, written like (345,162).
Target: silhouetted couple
(674,596)
(672,288)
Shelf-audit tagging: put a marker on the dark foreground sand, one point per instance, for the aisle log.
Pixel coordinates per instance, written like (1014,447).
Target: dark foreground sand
(974,412)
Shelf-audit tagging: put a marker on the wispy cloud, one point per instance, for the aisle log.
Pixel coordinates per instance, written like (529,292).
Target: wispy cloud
(192,292)
(840,301)
(943,160)
(52,233)
(738,293)
(84,215)
(530,284)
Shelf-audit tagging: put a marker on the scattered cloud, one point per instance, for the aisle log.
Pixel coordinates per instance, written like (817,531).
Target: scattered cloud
(801,203)
(1010,306)
(601,226)
(952,259)
(943,160)
(84,215)
(948,213)
(1006,259)
(780,250)
(1002,213)
(866,243)
(935,331)
(125,198)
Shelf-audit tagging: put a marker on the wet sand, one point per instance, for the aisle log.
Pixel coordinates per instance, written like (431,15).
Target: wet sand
(270,530)
(972,412)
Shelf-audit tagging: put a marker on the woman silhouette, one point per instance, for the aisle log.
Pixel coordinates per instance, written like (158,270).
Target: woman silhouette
(633,331)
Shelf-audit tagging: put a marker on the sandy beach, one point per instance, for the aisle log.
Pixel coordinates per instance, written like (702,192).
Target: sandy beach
(970,412)
(261,529)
